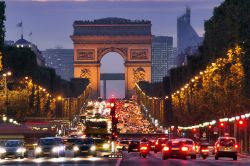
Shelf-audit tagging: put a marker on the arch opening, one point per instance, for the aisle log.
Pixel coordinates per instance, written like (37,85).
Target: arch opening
(112,67)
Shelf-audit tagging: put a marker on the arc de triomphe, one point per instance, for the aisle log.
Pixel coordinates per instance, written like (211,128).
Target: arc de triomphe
(131,39)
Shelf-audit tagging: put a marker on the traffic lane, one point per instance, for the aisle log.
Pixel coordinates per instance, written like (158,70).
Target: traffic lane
(133,159)
(62,161)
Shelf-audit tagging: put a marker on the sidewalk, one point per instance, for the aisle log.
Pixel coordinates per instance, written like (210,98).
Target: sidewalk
(244,155)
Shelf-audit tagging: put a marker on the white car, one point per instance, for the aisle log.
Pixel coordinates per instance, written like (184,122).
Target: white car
(12,148)
(226,147)
(180,147)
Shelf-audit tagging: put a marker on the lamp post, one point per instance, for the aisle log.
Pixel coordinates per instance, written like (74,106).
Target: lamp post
(5,75)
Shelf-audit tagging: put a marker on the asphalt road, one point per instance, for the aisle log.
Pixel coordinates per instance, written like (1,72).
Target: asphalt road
(131,159)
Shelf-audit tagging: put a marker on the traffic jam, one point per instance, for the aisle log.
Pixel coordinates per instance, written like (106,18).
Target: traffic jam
(98,132)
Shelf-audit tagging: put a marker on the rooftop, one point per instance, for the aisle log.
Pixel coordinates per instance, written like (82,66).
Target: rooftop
(112,20)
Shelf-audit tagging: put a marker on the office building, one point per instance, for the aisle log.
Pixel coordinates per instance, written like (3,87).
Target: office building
(61,60)
(162,57)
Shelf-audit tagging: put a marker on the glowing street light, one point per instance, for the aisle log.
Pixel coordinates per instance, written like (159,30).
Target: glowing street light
(59,98)
(11,120)
(4,118)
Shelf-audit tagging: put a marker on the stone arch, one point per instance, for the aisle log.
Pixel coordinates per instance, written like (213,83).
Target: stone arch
(131,39)
(121,51)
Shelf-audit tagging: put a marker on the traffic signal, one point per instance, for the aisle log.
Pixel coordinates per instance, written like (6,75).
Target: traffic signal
(194,129)
(221,124)
(210,126)
(114,132)
(241,122)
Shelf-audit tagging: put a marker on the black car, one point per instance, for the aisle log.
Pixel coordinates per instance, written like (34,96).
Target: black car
(159,144)
(49,146)
(84,146)
(134,146)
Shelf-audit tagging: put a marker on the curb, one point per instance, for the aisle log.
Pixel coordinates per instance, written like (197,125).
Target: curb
(244,155)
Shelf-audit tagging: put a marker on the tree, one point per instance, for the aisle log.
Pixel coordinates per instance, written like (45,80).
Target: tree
(2,19)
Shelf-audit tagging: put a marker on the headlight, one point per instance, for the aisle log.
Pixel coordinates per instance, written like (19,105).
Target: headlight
(2,150)
(75,148)
(21,150)
(61,148)
(93,148)
(106,146)
(38,150)
(55,149)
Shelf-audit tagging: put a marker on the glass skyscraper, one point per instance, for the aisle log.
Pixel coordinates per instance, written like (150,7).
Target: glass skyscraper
(187,38)
(162,57)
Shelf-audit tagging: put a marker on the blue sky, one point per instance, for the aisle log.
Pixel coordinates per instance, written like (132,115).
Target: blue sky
(51,20)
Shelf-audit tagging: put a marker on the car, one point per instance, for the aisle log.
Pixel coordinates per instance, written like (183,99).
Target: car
(226,147)
(70,142)
(179,147)
(122,145)
(12,148)
(134,146)
(49,146)
(103,147)
(159,144)
(84,146)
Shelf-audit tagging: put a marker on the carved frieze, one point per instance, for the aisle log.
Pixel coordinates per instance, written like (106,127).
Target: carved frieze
(120,50)
(85,54)
(139,54)
(85,73)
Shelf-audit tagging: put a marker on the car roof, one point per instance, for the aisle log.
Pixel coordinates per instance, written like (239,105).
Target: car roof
(13,141)
(51,138)
(182,139)
(226,138)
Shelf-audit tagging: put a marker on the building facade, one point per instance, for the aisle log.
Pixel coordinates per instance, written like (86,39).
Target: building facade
(22,43)
(61,60)
(186,36)
(162,57)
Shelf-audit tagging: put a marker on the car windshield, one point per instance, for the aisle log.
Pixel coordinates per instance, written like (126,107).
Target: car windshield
(12,143)
(227,142)
(99,141)
(181,142)
(84,141)
(47,142)
(188,142)
(162,141)
(135,142)
(124,142)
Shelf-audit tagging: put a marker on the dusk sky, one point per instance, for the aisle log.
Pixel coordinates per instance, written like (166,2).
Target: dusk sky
(50,21)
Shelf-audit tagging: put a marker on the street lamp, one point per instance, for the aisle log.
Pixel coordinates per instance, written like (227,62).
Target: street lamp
(5,75)
(4,118)
(11,120)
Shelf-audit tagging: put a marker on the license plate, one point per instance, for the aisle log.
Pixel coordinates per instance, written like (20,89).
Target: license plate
(84,151)
(175,148)
(227,149)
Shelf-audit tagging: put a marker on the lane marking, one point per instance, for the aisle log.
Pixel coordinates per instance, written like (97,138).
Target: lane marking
(118,162)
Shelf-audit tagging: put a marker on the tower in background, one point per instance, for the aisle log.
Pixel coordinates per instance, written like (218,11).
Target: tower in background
(187,38)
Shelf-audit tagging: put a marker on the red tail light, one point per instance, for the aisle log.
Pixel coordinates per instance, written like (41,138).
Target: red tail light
(205,150)
(144,148)
(156,143)
(165,148)
(217,145)
(184,149)
(236,146)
